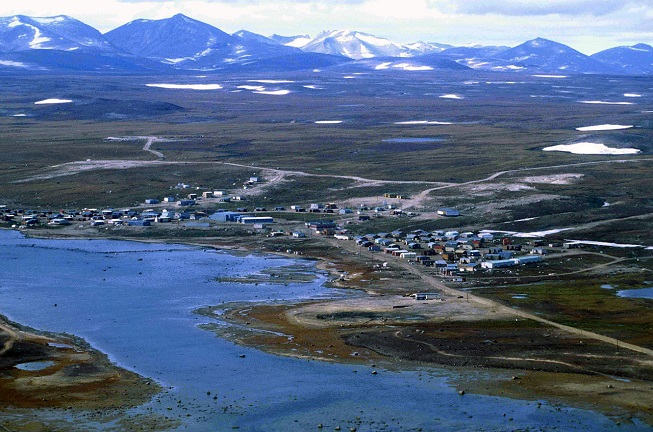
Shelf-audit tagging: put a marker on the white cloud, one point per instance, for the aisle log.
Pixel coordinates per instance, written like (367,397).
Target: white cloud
(529,7)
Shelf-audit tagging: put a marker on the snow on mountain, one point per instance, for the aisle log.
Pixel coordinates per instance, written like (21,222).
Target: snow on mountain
(353,44)
(292,41)
(175,38)
(421,48)
(545,56)
(190,44)
(180,42)
(20,33)
(358,45)
(250,36)
(636,59)
(475,56)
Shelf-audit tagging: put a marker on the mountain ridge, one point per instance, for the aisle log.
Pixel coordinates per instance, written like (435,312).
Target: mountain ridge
(181,43)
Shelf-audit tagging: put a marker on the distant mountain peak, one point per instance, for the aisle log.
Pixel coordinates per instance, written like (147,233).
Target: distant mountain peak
(179,42)
(637,59)
(61,32)
(642,47)
(184,18)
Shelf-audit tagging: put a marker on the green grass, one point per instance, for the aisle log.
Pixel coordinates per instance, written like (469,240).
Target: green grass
(582,303)
(497,127)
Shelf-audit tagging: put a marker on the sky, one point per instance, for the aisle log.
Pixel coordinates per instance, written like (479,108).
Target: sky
(586,25)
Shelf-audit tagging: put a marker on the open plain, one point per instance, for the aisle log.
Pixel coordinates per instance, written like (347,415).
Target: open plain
(560,330)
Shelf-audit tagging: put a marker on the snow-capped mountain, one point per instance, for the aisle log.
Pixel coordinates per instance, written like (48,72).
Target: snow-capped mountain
(250,36)
(353,44)
(169,39)
(475,56)
(543,55)
(292,41)
(20,33)
(182,43)
(358,45)
(636,59)
(421,48)
(190,44)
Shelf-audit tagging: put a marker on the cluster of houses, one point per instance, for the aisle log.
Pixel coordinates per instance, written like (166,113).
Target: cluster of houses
(95,217)
(450,252)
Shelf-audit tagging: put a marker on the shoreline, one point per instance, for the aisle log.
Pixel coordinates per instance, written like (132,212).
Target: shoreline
(337,340)
(67,372)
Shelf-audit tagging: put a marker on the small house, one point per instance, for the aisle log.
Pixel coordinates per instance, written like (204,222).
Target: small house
(248,220)
(448,212)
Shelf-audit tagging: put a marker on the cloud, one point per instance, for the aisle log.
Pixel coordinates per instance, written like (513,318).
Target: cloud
(542,7)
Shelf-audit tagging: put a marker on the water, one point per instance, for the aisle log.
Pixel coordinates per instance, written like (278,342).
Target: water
(644,293)
(135,302)
(34,366)
(414,140)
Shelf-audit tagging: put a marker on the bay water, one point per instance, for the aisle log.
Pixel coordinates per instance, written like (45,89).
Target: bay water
(136,301)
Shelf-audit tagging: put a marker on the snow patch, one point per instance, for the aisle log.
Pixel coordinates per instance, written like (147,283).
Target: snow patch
(410,67)
(632,95)
(179,60)
(599,102)
(52,101)
(423,122)
(526,219)
(299,42)
(451,96)
(49,20)
(252,88)
(588,148)
(187,86)
(373,40)
(533,234)
(271,81)
(38,37)
(551,76)
(598,243)
(13,64)
(273,92)
(604,127)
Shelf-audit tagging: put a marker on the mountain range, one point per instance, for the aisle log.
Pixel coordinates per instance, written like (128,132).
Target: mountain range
(180,43)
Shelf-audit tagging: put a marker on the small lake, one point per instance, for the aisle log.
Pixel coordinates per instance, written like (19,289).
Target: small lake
(415,140)
(136,302)
(34,366)
(644,293)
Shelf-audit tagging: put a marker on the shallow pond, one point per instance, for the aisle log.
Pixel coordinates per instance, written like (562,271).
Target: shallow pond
(644,293)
